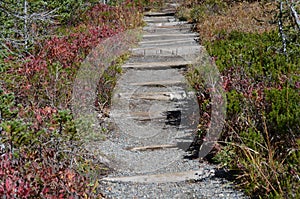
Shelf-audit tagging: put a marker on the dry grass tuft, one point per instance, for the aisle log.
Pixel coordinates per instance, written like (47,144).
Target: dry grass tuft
(243,17)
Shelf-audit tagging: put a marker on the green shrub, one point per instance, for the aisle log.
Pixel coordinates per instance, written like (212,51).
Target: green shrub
(41,153)
(261,138)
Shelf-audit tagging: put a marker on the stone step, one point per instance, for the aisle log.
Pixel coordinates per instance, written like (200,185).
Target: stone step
(163,178)
(157,65)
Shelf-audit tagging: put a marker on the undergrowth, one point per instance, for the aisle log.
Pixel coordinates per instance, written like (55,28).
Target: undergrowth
(41,153)
(260,72)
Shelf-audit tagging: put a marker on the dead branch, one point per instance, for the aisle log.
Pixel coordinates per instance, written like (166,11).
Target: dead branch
(280,26)
(295,15)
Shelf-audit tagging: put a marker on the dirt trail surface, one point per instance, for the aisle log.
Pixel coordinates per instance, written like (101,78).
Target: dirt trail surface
(156,115)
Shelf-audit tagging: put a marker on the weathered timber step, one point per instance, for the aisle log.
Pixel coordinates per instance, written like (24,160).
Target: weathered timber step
(172,4)
(152,147)
(155,58)
(168,29)
(170,48)
(154,97)
(151,119)
(166,51)
(169,9)
(160,98)
(143,116)
(164,178)
(170,35)
(159,19)
(148,31)
(167,41)
(169,26)
(157,65)
(181,144)
(158,14)
(154,21)
(168,45)
(161,37)
(159,83)
(166,24)
(172,96)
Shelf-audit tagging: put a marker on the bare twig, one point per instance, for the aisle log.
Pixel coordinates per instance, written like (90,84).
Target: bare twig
(24,32)
(280,25)
(295,15)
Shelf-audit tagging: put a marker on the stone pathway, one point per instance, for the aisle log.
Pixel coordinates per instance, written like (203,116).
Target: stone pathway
(156,115)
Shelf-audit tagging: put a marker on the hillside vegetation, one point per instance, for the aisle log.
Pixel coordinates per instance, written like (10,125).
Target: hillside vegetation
(256,46)
(42,46)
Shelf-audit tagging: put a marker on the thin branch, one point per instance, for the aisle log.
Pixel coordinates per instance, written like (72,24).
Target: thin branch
(280,25)
(44,16)
(295,15)
(9,50)
(8,12)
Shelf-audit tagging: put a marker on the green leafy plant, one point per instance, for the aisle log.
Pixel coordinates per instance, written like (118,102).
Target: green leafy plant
(260,72)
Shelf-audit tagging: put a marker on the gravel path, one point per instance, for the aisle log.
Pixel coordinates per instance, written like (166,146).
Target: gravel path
(155,110)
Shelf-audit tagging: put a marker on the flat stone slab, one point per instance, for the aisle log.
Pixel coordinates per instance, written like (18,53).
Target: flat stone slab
(163,178)
(157,65)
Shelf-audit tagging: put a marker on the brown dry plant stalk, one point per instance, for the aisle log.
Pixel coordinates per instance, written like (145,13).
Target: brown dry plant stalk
(243,17)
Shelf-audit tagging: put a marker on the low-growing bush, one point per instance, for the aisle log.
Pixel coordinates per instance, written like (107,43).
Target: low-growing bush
(42,153)
(259,66)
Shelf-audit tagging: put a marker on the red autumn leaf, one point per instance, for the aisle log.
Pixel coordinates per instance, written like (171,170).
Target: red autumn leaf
(8,185)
